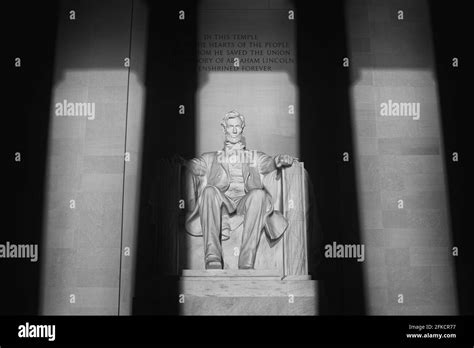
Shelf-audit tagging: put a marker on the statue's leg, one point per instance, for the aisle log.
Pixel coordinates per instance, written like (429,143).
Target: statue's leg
(210,214)
(253,206)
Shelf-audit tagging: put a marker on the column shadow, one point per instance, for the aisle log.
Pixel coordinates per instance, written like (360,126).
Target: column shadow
(171,81)
(449,29)
(325,134)
(33,40)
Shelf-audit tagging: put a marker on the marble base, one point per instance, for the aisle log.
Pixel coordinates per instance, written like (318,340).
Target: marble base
(246,292)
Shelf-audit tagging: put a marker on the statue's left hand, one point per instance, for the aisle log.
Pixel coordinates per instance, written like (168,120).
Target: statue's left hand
(284,161)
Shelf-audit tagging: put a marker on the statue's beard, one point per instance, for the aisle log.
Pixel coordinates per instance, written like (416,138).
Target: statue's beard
(233,139)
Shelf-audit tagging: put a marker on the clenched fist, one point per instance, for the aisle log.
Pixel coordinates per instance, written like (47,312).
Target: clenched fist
(284,161)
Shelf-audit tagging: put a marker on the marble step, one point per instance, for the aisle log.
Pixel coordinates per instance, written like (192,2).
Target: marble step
(269,305)
(253,288)
(248,297)
(238,274)
(230,274)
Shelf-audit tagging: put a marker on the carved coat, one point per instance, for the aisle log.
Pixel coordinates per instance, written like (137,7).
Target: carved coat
(207,170)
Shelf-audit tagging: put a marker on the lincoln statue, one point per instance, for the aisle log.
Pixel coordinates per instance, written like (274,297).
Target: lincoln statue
(231,180)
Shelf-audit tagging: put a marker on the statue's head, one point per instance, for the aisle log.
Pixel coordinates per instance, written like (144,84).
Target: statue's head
(233,125)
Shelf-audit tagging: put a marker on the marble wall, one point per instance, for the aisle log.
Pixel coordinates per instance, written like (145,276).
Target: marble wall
(263,97)
(91,192)
(84,270)
(399,159)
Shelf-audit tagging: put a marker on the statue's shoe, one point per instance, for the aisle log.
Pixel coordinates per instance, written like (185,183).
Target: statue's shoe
(213,265)
(246,267)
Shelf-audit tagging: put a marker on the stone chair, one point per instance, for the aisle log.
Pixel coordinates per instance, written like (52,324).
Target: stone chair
(286,256)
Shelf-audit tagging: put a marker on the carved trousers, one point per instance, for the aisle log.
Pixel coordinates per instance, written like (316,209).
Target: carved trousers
(252,207)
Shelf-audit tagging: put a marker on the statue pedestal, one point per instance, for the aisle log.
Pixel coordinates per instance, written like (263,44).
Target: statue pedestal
(246,292)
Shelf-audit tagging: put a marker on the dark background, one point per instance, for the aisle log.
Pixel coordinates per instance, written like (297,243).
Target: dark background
(30,32)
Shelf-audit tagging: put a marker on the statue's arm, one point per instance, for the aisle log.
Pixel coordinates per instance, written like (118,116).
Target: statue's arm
(197,166)
(266,163)
(196,170)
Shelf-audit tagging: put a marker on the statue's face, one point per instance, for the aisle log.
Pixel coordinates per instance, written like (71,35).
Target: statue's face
(233,130)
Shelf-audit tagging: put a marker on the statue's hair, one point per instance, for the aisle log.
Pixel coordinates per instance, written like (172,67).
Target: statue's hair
(232,114)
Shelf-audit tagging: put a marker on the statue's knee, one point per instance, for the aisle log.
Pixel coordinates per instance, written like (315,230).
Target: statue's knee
(257,194)
(209,192)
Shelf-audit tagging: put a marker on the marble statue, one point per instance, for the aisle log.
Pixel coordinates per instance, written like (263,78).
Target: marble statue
(231,179)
